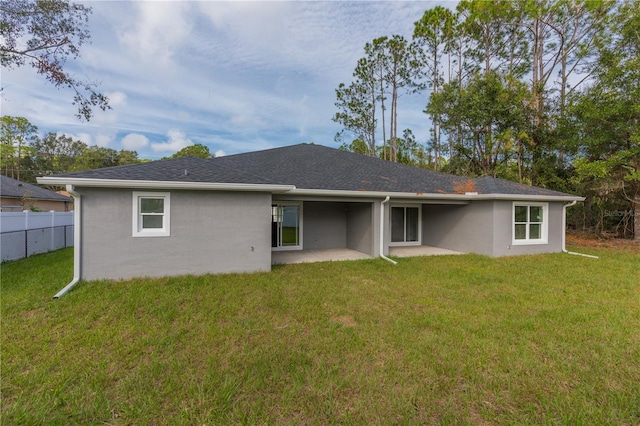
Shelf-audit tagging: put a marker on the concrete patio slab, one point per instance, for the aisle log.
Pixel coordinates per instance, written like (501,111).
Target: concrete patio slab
(420,251)
(338,254)
(309,256)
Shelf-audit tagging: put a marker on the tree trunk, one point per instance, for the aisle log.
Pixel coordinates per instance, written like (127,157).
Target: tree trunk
(393,78)
(19,158)
(372,148)
(586,221)
(436,130)
(384,130)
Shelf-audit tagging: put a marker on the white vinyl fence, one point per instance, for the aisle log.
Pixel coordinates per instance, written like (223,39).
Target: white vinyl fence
(26,233)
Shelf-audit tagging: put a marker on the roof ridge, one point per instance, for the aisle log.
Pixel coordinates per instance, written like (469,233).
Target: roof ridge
(263,150)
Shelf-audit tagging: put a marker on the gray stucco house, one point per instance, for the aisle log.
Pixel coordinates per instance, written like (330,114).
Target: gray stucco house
(234,213)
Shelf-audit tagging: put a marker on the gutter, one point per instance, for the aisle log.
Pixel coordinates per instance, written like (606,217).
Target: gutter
(76,242)
(386,200)
(469,196)
(158,184)
(564,232)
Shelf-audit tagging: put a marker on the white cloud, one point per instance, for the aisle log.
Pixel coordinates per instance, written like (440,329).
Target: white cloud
(243,120)
(117,99)
(82,137)
(98,139)
(103,140)
(177,141)
(157,30)
(134,141)
(220,153)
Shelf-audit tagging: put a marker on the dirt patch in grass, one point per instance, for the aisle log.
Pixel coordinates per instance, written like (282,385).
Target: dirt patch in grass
(593,241)
(362,280)
(34,313)
(345,320)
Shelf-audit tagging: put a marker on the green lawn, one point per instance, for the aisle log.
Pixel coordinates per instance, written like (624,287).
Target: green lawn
(549,339)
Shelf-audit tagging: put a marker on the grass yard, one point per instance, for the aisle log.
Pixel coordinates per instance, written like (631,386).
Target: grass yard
(548,339)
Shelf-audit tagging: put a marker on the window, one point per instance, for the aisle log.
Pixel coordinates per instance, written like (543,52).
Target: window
(286,226)
(405,225)
(530,223)
(151,214)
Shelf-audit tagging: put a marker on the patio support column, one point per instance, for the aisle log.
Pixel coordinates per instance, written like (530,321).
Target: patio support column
(382,217)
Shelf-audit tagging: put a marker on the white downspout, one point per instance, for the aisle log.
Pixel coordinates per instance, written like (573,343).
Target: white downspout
(76,242)
(386,200)
(564,232)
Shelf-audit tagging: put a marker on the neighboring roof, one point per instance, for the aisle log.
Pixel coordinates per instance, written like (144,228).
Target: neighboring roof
(309,167)
(12,188)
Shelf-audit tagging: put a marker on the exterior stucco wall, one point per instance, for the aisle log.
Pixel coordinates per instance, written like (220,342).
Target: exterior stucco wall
(359,227)
(46,206)
(377,213)
(385,211)
(484,227)
(211,232)
(502,243)
(466,228)
(324,225)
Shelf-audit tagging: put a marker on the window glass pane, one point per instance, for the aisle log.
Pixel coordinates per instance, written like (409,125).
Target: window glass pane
(412,224)
(535,232)
(536,214)
(151,221)
(521,232)
(521,213)
(397,224)
(290,225)
(152,205)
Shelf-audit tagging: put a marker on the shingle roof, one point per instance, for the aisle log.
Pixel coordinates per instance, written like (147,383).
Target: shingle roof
(12,188)
(183,169)
(309,166)
(318,167)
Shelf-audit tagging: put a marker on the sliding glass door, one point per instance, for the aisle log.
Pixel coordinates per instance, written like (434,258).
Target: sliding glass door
(286,226)
(405,225)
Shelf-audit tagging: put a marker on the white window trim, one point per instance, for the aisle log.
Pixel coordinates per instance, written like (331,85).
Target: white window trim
(300,204)
(137,230)
(545,225)
(406,243)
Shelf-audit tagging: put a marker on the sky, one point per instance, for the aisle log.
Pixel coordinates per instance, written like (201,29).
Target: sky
(234,76)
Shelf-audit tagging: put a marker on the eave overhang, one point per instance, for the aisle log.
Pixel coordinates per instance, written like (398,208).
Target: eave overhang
(434,196)
(293,191)
(155,184)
